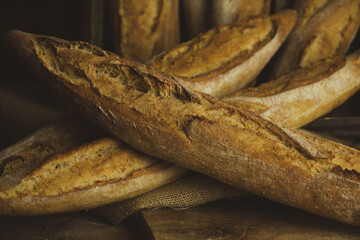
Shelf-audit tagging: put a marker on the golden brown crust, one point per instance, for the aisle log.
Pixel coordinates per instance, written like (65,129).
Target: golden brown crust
(210,63)
(301,77)
(305,94)
(155,114)
(53,171)
(325,29)
(144,181)
(94,174)
(194,60)
(144,28)
(93,164)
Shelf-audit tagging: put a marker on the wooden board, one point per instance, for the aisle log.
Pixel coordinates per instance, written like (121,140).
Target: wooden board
(250,218)
(78,225)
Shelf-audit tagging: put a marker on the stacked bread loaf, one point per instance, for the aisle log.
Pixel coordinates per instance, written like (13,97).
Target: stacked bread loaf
(324,29)
(242,140)
(144,28)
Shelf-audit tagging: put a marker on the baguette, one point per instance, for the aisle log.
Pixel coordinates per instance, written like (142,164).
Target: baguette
(324,29)
(155,114)
(56,170)
(305,94)
(226,58)
(145,28)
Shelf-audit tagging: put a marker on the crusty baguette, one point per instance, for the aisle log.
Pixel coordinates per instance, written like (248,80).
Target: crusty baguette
(89,176)
(324,29)
(144,28)
(227,58)
(305,94)
(56,169)
(155,114)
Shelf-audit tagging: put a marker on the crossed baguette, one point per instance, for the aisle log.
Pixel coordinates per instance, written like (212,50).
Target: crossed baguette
(155,114)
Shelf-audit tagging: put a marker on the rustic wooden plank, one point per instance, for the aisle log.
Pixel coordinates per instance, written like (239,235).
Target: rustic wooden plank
(78,225)
(249,218)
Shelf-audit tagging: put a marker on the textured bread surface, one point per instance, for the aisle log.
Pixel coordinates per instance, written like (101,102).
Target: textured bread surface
(91,175)
(226,58)
(301,96)
(299,78)
(144,28)
(99,162)
(56,165)
(155,114)
(236,42)
(325,29)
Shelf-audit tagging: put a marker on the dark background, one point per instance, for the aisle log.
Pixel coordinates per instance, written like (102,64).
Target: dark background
(64,19)
(18,85)
(25,103)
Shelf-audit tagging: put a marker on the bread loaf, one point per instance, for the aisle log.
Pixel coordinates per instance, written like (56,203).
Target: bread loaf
(155,114)
(144,28)
(55,170)
(226,58)
(324,29)
(305,94)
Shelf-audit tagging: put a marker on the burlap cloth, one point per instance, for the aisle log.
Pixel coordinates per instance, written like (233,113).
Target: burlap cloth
(190,191)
